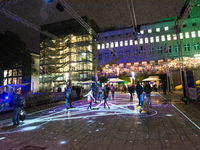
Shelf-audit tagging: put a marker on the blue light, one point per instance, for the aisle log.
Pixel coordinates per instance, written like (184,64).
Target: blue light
(6,97)
(49,1)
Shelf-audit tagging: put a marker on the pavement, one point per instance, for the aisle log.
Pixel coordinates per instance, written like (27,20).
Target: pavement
(171,125)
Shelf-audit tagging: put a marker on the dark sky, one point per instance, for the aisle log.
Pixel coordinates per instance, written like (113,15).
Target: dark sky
(106,13)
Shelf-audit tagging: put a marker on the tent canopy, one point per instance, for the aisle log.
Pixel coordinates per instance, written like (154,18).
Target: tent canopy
(86,82)
(151,79)
(116,80)
(14,86)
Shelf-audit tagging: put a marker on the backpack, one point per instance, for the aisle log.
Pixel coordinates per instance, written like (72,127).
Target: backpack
(67,94)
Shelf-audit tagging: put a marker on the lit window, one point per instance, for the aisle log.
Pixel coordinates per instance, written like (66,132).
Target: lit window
(163,38)
(103,46)
(121,43)
(98,46)
(168,37)
(141,41)
(187,35)
(126,43)
(107,45)
(111,44)
(181,35)
(157,39)
(131,42)
(142,32)
(198,33)
(157,29)
(166,28)
(136,42)
(151,39)
(193,34)
(149,30)
(116,44)
(146,40)
(175,37)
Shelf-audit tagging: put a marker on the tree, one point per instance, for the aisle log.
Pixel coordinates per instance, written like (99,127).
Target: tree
(141,77)
(14,54)
(103,79)
(124,77)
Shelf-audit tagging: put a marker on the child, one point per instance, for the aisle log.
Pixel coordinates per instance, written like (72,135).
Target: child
(105,98)
(89,98)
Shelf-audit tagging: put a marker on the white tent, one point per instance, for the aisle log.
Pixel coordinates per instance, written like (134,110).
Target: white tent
(115,80)
(151,79)
(87,82)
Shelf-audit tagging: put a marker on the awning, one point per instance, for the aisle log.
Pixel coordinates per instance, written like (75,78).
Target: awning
(151,79)
(14,86)
(86,82)
(115,80)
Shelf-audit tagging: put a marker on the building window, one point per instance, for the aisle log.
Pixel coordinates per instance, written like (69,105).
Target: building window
(107,45)
(169,49)
(128,53)
(146,40)
(157,29)
(149,30)
(143,51)
(198,33)
(142,32)
(176,48)
(162,38)
(196,46)
(111,44)
(98,46)
(136,42)
(100,56)
(187,47)
(168,37)
(120,53)
(175,37)
(128,64)
(121,43)
(157,39)
(159,50)
(194,24)
(151,51)
(166,28)
(151,40)
(121,64)
(126,43)
(141,40)
(116,44)
(103,46)
(131,42)
(187,35)
(185,25)
(106,55)
(193,34)
(135,52)
(181,35)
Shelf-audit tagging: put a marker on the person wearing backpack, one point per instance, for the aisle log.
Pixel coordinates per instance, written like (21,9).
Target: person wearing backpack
(17,105)
(68,96)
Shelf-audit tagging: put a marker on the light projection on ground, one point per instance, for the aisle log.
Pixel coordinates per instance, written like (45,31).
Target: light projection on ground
(118,106)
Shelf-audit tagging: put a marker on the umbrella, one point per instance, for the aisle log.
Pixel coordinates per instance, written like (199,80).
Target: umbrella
(116,80)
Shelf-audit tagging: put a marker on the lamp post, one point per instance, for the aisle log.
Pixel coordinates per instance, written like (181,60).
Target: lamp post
(133,77)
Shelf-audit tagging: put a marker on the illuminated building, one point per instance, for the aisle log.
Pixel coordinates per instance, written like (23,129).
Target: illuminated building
(71,55)
(149,56)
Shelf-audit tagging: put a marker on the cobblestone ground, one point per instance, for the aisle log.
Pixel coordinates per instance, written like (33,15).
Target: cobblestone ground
(171,125)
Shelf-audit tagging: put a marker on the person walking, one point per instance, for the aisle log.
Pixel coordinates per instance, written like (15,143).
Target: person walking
(100,93)
(131,90)
(89,96)
(68,96)
(96,93)
(17,104)
(164,88)
(112,89)
(105,98)
(147,90)
(78,91)
(139,91)
(124,88)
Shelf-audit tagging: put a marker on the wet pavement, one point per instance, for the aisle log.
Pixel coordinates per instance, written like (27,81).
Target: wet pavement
(171,125)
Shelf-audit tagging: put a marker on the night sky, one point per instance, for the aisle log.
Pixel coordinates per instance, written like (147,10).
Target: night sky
(106,13)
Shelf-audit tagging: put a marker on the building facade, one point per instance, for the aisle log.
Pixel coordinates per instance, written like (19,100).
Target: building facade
(148,56)
(67,59)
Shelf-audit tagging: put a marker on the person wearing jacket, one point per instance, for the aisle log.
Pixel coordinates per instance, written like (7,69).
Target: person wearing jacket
(105,98)
(89,96)
(139,90)
(68,96)
(147,90)
(17,104)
